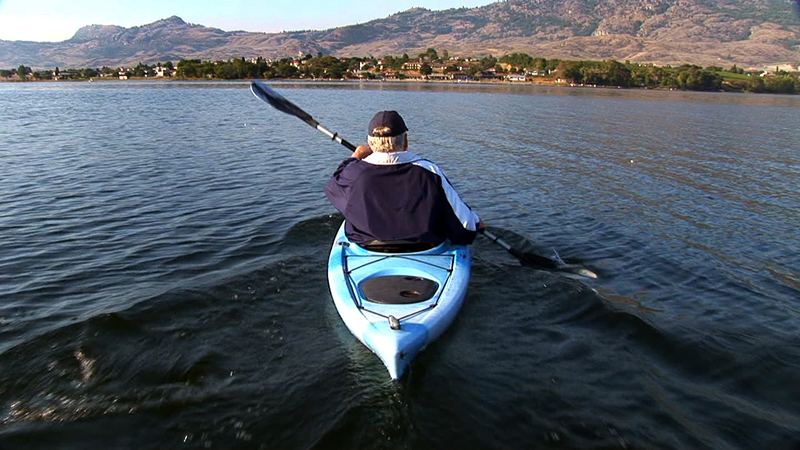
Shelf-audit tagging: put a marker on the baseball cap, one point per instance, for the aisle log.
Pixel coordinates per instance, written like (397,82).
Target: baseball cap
(387,124)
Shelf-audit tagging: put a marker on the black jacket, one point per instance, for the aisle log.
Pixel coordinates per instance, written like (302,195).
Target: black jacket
(399,196)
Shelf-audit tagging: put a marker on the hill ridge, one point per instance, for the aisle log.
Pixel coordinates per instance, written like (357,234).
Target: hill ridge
(703,32)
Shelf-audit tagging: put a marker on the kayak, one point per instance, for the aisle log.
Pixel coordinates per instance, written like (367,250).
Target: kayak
(397,303)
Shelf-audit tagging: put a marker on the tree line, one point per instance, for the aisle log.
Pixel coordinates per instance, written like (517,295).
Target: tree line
(610,73)
(598,73)
(140,70)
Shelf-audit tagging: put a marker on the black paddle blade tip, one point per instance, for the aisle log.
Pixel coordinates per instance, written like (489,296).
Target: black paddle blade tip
(277,101)
(266,93)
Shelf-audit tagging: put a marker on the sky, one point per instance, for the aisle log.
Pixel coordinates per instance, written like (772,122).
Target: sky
(58,20)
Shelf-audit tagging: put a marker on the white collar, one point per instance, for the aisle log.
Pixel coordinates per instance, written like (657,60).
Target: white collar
(385,159)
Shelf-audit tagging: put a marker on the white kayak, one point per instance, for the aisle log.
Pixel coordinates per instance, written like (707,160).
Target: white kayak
(397,303)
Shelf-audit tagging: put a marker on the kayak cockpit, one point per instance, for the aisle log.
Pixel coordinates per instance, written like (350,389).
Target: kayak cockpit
(399,246)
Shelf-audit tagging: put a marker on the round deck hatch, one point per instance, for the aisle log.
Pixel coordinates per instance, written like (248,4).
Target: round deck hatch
(398,289)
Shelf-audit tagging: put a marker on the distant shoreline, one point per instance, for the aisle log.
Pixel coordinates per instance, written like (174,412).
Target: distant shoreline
(410,81)
(544,82)
(293,80)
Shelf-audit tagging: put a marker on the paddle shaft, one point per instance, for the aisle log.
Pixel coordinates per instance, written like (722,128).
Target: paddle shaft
(336,137)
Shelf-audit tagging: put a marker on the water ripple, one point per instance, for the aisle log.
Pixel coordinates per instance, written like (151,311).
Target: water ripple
(162,253)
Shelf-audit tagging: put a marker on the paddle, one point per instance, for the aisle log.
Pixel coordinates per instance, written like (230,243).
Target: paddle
(278,102)
(266,93)
(532,259)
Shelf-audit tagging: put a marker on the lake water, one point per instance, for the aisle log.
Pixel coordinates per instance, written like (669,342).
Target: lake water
(163,250)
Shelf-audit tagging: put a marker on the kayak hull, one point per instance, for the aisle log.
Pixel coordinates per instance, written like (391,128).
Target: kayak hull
(397,303)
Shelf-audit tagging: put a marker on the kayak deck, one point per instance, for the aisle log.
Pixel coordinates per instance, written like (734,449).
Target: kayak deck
(397,303)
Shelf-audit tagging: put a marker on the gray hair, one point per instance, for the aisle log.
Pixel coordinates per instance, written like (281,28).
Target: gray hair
(387,144)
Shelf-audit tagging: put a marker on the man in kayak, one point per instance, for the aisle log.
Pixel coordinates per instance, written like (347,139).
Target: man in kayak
(389,194)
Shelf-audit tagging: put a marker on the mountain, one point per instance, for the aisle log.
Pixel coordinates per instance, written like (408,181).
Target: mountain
(109,45)
(703,32)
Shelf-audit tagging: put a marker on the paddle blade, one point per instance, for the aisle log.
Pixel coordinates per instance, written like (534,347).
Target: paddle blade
(578,271)
(532,259)
(542,262)
(269,95)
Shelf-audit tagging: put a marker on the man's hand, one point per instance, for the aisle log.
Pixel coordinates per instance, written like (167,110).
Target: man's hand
(481,226)
(362,151)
